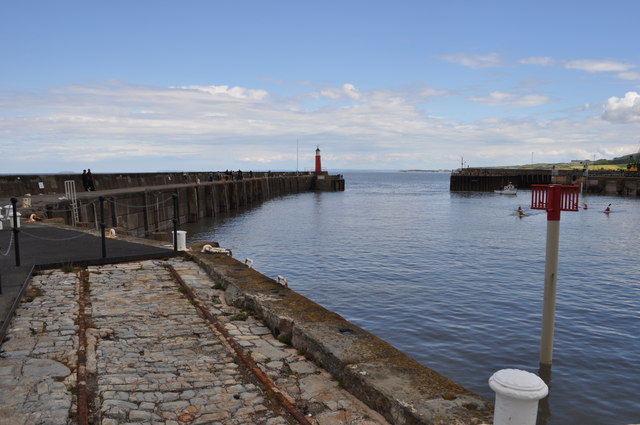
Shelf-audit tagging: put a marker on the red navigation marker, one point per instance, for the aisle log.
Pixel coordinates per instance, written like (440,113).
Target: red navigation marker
(553,198)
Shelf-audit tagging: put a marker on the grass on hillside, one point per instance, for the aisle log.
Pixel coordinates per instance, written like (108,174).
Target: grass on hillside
(608,167)
(571,166)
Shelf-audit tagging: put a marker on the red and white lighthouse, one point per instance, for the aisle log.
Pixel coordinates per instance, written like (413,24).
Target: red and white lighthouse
(318,161)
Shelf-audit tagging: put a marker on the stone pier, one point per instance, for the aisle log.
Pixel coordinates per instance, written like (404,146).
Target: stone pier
(143,204)
(150,358)
(600,182)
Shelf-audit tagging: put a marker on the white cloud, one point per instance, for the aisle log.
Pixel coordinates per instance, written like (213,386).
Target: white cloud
(120,127)
(625,110)
(235,92)
(511,99)
(351,91)
(629,75)
(490,60)
(335,93)
(330,93)
(267,157)
(431,92)
(592,65)
(538,60)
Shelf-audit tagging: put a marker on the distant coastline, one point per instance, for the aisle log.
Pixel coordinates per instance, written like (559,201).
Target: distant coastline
(426,171)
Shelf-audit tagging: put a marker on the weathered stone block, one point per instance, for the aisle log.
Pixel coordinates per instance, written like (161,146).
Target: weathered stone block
(45,367)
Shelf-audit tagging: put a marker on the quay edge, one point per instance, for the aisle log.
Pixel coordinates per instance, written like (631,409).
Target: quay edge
(387,380)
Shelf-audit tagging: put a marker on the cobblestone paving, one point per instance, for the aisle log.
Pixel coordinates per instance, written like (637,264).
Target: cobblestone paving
(312,389)
(152,360)
(156,361)
(39,354)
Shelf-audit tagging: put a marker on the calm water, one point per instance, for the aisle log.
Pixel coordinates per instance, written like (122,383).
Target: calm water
(456,280)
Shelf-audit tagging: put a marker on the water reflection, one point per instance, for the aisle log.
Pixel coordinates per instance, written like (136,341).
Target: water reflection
(544,406)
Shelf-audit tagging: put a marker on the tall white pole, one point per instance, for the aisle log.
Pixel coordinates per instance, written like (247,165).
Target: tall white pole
(554,199)
(550,280)
(297,156)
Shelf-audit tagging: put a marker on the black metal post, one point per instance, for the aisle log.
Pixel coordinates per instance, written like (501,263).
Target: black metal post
(14,201)
(102,227)
(175,221)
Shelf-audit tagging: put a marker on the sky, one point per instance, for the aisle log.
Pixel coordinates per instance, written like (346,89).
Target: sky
(142,86)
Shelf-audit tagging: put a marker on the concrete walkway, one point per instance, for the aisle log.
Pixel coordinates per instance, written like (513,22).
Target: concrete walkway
(151,358)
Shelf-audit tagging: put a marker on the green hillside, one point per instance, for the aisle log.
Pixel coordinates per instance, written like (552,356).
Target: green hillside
(621,160)
(618,163)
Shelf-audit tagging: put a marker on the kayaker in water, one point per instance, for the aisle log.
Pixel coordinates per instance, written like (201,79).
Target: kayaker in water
(608,209)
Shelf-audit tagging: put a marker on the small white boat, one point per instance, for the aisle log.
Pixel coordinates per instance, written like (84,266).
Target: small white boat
(509,189)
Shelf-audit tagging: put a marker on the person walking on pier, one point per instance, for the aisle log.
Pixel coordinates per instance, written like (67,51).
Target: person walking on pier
(85,180)
(90,182)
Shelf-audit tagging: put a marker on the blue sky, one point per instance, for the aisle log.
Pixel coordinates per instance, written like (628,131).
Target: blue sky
(213,85)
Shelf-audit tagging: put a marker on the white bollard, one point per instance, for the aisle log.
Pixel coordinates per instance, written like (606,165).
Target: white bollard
(9,216)
(182,240)
(18,215)
(517,395)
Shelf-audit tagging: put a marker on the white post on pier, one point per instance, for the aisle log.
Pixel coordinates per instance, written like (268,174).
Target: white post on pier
(180,239)
(517,396)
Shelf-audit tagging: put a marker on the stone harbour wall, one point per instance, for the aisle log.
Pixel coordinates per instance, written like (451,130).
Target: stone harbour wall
(595,182)
(142,211)
(51,184)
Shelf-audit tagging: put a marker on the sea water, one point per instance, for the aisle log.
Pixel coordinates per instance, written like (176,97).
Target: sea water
(456,280)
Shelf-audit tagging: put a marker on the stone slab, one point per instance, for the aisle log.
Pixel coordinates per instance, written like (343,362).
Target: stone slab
(45,367)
